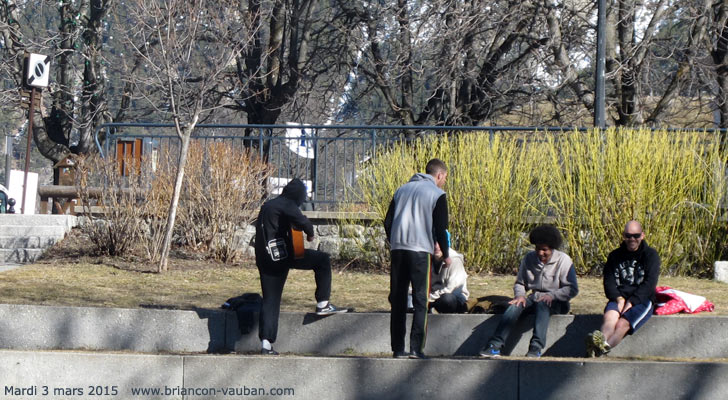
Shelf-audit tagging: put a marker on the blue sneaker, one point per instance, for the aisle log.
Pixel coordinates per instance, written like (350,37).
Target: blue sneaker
(533,353)
(490,352)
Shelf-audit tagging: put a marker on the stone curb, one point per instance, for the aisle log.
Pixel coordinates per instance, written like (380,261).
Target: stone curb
(218,331)
(84,375)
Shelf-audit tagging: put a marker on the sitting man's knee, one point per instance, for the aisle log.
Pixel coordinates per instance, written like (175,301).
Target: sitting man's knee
(623,324)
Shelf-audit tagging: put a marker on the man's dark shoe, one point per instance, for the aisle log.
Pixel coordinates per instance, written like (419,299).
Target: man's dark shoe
(533,353)
(268,352)
(330,309)
(490,351)
(417,355)
(401,354)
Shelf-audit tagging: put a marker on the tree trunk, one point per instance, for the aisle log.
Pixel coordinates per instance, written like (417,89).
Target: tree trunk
(719,52)
(171,216)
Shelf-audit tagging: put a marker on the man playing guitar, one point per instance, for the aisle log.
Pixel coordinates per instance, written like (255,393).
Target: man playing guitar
(276,253)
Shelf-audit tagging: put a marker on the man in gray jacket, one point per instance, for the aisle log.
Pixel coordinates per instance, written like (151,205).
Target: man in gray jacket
(550,276)
(417,218)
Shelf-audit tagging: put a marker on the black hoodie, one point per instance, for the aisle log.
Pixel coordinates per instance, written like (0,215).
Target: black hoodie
(277,217)
(632,274)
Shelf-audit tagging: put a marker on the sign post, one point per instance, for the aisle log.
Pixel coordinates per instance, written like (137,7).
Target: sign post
(37,72)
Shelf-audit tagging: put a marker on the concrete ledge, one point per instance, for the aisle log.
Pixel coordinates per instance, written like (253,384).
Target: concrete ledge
(339,215)
(19,255)
(28,241)
(66,221)
(464,335)
(66,375)
(234,376)
(213,331)
(56,231)
(142,330)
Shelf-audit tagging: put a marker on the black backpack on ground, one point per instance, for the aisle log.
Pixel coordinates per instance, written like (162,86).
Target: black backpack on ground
(245,307)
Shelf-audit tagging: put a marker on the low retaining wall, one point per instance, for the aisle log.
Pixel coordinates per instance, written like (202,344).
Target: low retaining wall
(332,236)
(81,375)
(216,331)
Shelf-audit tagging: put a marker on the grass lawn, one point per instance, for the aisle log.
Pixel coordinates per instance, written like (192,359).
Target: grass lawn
(98,283)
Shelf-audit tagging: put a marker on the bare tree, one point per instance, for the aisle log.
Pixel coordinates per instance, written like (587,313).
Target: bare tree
(653,61)
(448,62)
(632,38)
(73,34)
(295,44)
(189,47)
(717,44)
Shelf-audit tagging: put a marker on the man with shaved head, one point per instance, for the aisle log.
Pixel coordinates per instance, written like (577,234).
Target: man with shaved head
(630,279)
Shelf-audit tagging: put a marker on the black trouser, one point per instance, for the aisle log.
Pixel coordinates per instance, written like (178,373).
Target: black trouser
(273,278)
(449,303)
(409,266)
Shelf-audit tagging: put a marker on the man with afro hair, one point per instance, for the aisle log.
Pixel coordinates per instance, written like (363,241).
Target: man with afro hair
(549,275)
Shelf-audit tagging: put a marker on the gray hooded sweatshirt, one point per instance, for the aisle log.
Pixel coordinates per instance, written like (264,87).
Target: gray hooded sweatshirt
(409,221)
(557,277)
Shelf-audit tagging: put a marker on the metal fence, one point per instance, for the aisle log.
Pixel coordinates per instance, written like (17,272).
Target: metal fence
(326,157)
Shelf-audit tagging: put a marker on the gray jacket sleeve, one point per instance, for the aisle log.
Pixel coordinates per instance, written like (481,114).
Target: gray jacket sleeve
(568,288)
(520,289)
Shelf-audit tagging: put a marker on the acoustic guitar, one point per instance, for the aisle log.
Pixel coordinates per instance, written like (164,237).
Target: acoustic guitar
(297,239)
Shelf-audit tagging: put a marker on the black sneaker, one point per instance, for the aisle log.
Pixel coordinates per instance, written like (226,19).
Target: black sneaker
(330,309)
(490,351)
(268,352)
(401,354)
(417,355)
(533,353)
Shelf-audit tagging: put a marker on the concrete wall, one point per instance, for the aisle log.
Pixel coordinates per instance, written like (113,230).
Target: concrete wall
(111,329)
(330,237)
(350,377)
(216,331)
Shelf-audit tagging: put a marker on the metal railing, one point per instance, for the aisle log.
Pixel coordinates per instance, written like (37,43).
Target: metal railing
(326,157)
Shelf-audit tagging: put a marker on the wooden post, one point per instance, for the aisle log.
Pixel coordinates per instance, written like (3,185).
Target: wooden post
(31,110)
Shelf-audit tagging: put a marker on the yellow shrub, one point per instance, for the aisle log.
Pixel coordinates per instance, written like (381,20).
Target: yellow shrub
(588,184)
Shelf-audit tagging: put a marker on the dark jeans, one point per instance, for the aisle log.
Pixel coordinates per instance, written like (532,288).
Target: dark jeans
(273,278)
(449,303)
(409,266)
(540,325)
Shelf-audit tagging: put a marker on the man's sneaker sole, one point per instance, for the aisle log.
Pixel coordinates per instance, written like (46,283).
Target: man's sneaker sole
(490,352)
(414,355)
(331,312)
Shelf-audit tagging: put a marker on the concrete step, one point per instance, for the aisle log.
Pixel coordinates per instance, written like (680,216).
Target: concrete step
(67,221)
(9,266)
(64,375)
(20,255)
(28,242)
(153,330)
(24,237)
(56,231)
